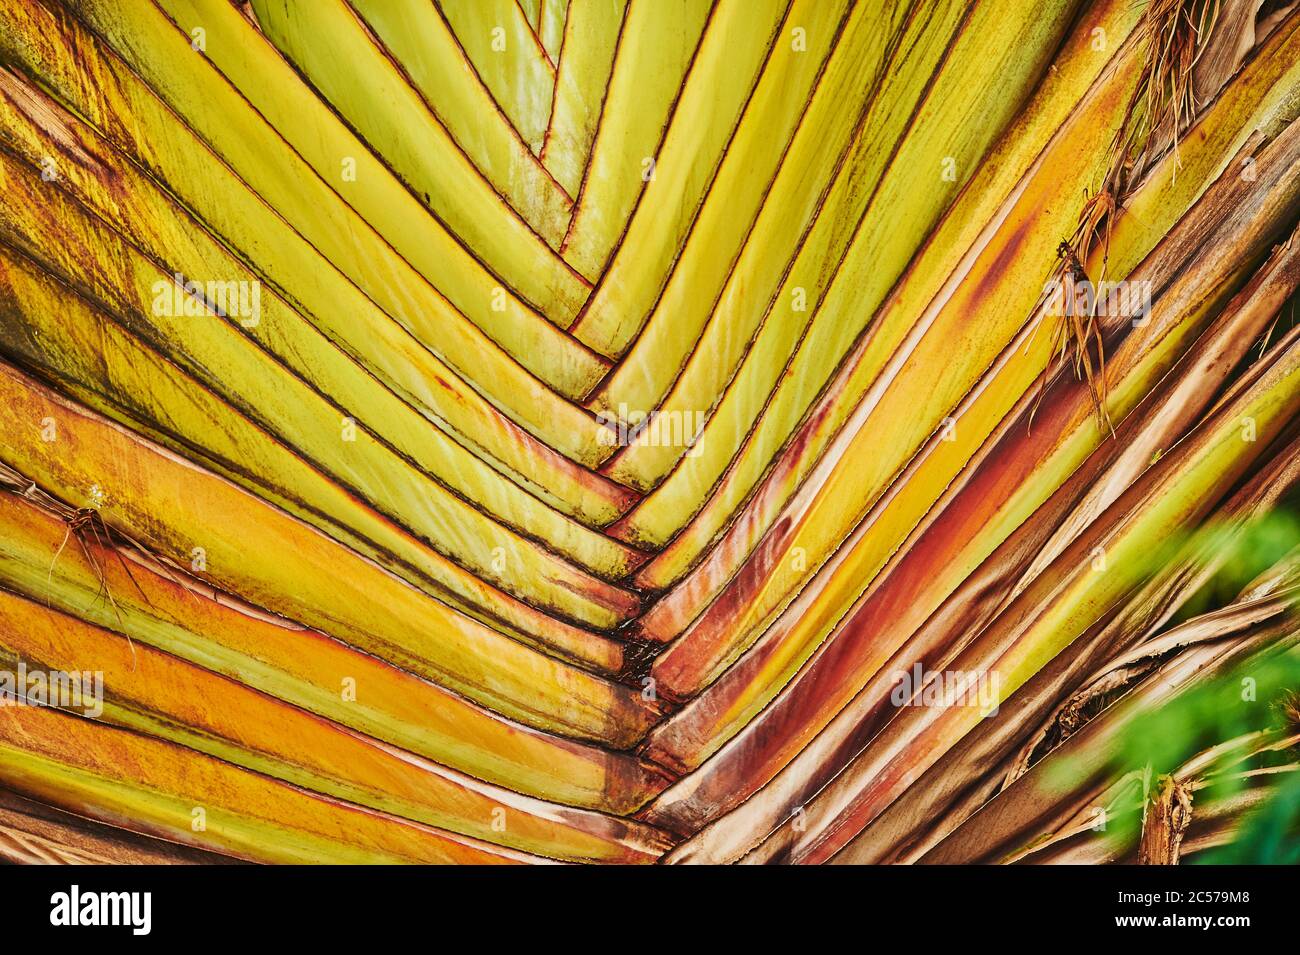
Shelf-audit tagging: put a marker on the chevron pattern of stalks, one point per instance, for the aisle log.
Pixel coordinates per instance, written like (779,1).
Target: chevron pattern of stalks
(639,431)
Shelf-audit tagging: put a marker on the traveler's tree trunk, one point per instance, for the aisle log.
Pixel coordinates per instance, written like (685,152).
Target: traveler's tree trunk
(630,431)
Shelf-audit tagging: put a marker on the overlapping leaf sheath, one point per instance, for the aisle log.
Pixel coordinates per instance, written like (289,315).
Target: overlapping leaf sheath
(138,121)
(1056,700)
(161,605)
(888,630)
(1016,471)
(503,42)
(747,86)
(525,431)
(94,259)
(32,833)
(122,195)
(726,520)
(426,49)
(1058,605)
(656,48)
(155,693)
(591,32)
(1033,816)
(299,572)
(818,201)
